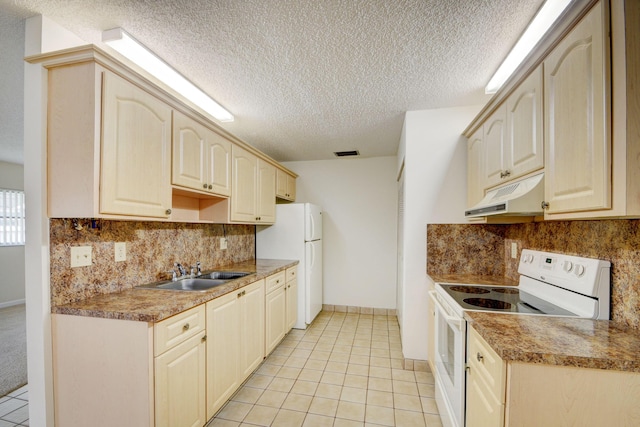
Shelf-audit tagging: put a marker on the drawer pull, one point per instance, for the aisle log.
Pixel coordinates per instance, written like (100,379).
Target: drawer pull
(186,327)
(480,357)
(204,338)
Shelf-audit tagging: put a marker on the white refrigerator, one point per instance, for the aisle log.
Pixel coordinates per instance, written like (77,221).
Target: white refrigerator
(297,235)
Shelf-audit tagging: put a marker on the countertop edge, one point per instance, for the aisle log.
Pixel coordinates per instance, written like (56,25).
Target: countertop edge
(110,306)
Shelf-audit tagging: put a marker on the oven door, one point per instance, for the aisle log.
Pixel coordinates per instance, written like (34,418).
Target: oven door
(450,336)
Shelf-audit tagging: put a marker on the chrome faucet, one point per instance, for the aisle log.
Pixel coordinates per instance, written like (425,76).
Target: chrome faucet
(181,269)
(199,267)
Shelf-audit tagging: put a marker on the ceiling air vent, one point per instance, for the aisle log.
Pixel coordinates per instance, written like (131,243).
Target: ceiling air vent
(351,153)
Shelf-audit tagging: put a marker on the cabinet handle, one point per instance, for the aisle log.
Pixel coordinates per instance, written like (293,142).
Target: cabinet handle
(505,173)
(168,211)
(480,357)
(204,338)
(210,186)
(244,293)
(544,205)
(186,327)
(204,186)
(239,294)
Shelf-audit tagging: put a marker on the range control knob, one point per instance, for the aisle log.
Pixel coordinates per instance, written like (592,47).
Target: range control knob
(579,270)
(567,266)
(529,258)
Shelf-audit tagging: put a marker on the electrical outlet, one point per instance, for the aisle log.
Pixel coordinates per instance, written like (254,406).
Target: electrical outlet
(120,251)
(80,256)
(223,243)
(514,250)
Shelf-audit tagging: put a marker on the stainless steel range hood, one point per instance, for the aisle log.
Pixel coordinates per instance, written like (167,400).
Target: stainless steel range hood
(519,198)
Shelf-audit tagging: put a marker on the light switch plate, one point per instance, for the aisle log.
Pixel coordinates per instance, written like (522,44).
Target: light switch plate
(80,256)
(120,251)
(514,250)
(223,243)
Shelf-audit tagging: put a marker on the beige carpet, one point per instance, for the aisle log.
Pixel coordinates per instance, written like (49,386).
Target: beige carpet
(13,348)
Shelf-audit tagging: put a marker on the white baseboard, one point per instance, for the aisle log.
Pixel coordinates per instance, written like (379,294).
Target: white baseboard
(11,303)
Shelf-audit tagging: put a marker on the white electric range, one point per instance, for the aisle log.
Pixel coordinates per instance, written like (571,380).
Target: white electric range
(550,284)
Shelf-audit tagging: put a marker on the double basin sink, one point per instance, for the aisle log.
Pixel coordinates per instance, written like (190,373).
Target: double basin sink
(199,283)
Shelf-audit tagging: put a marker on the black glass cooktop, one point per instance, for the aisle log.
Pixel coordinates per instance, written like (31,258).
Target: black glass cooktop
(501,298)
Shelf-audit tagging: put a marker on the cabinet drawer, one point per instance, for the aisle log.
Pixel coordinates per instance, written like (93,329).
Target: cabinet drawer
(178,328)
(291,273)
(490,368)
(275,281)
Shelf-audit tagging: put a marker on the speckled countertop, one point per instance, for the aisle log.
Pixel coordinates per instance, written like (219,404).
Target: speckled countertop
(565,341)
(153,305)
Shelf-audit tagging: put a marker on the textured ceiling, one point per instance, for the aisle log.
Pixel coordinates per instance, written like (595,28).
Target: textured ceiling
(304,78)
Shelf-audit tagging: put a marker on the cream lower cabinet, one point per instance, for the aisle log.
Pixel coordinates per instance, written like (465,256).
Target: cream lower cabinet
(515,394)
(235,343)
(291,275)
(180,372)
(201,157)
(485,384)
(275,310)
(577,119)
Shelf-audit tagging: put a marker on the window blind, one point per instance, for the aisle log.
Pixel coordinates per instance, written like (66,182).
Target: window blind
(11,217)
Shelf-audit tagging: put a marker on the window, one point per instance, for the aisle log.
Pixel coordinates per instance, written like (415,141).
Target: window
(11,217)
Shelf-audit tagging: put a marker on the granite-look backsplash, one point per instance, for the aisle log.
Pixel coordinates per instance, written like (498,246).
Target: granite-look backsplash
(152,248)
(486,250)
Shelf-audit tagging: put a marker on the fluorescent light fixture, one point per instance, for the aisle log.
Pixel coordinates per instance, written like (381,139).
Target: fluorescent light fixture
(546,16)
(126,45)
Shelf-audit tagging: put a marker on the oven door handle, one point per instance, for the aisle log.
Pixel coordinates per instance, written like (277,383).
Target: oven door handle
(451,320)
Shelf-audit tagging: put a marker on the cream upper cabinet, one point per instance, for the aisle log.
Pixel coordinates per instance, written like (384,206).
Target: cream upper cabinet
(524,147)
(266,203)
(475,174)
(285,185)
(136,151)
(243,187)
(494,141)
(253,195)
(201,157)
(577,119)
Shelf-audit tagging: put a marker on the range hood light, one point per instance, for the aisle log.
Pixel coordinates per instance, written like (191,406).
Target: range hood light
(133,50)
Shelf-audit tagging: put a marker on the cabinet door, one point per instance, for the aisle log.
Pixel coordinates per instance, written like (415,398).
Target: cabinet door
(494,148)
(219,161)
(475,170)
(285,185)
(275,318)
(223,344)
(577,119)
(189,160)
(135,172)
(291,187)
(292,304)
(266,203)
(252,328)
(524,148)
(243,186)
(180,385)
(483,410)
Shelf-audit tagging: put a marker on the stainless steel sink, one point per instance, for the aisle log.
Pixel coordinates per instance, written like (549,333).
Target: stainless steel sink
(200,283)
(196,284)
(224,275)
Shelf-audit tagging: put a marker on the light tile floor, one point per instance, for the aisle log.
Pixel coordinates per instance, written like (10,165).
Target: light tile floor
(344,370)
(14,408)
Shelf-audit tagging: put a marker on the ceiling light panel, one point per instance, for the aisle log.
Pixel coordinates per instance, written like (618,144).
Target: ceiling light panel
(129,47)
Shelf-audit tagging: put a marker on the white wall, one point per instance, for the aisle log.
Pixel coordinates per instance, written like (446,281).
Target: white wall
(359,202)
(11,257)
(435,192)
(41,35)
